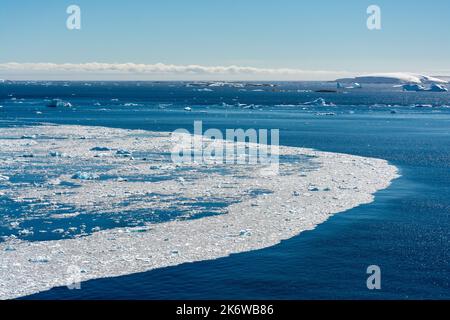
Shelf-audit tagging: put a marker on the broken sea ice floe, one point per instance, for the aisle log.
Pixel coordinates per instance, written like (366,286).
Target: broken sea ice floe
(271,216)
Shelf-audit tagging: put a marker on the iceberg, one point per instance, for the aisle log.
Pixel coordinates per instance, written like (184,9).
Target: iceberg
(418,88)
(413,87)
(437,88)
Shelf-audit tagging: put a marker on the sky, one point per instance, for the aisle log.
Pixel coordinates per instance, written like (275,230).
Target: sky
(221,39)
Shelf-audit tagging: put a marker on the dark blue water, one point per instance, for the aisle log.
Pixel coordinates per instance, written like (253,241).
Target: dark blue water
(405,231)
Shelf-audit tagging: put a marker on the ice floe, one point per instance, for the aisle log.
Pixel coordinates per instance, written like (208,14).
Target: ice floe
(263,211)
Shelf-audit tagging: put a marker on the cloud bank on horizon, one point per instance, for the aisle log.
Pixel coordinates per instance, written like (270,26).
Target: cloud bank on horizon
(161,71)
(158,71)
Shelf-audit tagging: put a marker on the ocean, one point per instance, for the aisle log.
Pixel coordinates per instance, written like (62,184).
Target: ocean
(405,230)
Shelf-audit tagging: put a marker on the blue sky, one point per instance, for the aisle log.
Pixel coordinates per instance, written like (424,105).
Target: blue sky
(325,35)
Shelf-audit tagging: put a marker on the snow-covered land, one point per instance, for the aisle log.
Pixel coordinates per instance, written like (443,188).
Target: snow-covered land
(394,78)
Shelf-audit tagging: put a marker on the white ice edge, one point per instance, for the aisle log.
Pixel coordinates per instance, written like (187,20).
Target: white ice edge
(352,181)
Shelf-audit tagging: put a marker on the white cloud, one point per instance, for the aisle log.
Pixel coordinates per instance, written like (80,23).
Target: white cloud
(158,71)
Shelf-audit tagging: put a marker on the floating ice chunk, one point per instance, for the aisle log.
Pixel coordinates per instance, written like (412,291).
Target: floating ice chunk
(58,103)
(100,149)
(4,178)
(131,104)
(413,87)
(57,154)
(26,232)
(33,136)
(188,109)
(64,215)
(54,182)
(14,224)
(325,114)
(205,90)
(85,176)
(123,152)
(245,232)
(319,102)
(437,88)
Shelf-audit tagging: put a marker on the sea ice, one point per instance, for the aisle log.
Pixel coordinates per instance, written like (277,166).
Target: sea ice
(257,220)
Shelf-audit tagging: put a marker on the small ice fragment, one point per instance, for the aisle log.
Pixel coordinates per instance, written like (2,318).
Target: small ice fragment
(325,114)
(26,232)
(59,103)
(245,232)
(4,178)
(10,248)
(54,182)
(57,154)
(33,136)
(319,102)
(123,152)
(188,109)
(14,224)
(131,104)
(85,176)
(58,231)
